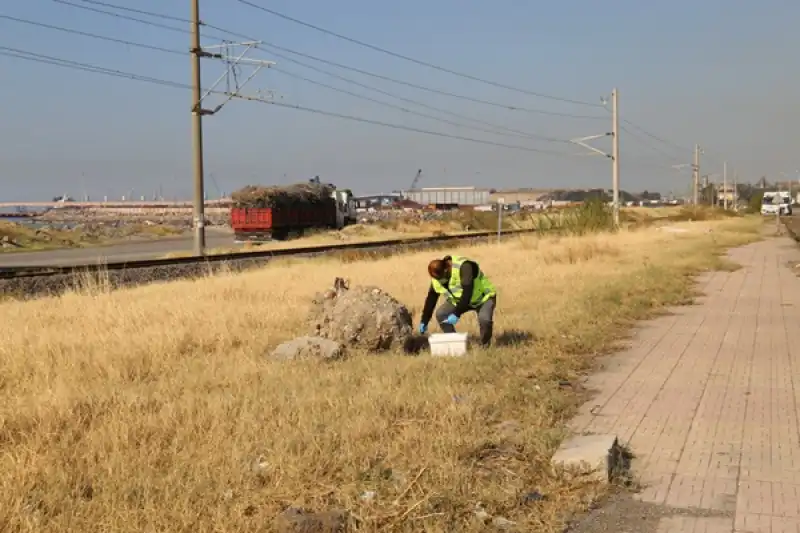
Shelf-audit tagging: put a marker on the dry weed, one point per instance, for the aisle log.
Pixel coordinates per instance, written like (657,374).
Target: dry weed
(155,409)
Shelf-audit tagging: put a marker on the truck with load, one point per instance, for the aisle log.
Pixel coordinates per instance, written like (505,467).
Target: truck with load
(261,214)
(776,203)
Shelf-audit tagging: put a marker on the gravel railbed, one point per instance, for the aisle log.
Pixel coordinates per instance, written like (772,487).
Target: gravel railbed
(42,286)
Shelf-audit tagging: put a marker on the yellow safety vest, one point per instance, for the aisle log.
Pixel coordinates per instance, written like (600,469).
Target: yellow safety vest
(482,287)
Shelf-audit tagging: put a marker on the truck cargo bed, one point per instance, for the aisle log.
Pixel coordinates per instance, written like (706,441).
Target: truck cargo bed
(260,223)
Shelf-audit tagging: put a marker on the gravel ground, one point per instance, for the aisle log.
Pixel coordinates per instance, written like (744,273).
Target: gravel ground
(621,513)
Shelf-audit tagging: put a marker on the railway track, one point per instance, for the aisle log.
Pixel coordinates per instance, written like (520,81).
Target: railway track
(261,256)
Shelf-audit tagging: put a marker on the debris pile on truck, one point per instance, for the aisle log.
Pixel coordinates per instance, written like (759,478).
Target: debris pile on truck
(277,213)
(299,194)
(363,318)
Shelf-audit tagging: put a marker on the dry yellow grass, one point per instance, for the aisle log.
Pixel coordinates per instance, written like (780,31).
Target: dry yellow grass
(155,409)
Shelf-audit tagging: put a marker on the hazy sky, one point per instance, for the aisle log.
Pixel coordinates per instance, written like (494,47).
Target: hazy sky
(720,73)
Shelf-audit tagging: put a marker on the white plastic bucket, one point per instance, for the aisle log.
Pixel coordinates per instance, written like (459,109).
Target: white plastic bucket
(448,344)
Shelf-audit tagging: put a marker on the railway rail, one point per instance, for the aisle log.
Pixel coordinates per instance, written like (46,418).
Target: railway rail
(23,272)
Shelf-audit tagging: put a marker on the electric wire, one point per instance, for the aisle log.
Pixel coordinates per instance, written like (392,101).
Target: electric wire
(411,111)
(404,99)
(372,47)
(139,11)
(272,47)
(649,144)
(268,45)
(76,65)
(94,35)
(354,69)
(510,132)
(414,60)
(667,142)
(125,17)
(654,136)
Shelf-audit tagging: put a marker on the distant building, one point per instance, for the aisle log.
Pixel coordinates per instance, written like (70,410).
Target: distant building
(376,200)
(726,192)
(448,196)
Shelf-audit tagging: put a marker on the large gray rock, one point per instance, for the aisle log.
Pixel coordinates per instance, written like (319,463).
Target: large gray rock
(362,317)
(295,520)
(310,348)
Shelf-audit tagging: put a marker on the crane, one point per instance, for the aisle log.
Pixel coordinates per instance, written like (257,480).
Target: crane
(416,180)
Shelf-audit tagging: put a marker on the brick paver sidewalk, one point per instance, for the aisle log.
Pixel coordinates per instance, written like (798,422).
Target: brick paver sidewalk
(707,399)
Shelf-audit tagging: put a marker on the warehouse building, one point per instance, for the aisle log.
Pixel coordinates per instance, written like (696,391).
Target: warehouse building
(375,200)
(450,196)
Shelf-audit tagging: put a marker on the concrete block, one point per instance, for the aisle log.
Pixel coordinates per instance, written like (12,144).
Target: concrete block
(598,456)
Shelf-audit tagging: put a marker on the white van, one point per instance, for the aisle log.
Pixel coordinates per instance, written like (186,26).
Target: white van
(774,202)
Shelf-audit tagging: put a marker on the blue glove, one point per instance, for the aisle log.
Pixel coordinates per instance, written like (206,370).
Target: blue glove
(423,328)
(452,320)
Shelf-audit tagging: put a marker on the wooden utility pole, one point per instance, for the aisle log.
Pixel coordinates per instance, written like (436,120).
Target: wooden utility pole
(197,133)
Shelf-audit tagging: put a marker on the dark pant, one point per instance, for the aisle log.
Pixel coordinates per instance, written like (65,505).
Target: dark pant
(485,318)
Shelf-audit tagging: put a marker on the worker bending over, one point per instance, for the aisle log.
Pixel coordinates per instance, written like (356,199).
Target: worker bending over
(465,288)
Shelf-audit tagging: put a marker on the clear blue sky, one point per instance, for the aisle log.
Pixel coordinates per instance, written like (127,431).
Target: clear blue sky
(719,73)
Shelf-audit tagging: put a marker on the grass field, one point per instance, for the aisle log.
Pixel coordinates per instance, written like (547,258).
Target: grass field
(156,409)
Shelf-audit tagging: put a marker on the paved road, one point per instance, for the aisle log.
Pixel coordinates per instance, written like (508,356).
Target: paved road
(707,399)
(131,251)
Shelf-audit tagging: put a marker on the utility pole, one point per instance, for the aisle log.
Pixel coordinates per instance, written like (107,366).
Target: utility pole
(500,203)
(197,133)
(615,154)
(696,175)
(736,190)
(725,185)
(233,91)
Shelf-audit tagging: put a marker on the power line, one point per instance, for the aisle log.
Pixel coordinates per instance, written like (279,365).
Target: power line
(357,70)
(655,137)
(401,98)
(126,17)
(93,35)
(648,143)
(360,71)
(417,130)
(75,65)
(511,132)
(668,142)
(411,111)
(268,45)
(413,60)
(361,43)
(139,11)
(509,107)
